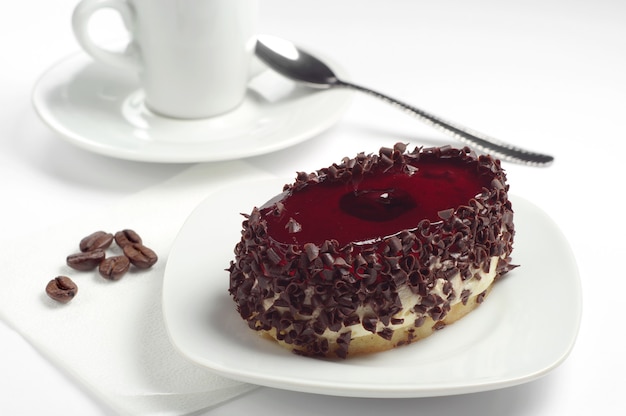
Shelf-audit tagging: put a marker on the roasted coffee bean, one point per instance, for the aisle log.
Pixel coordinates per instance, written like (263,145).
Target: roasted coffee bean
(140,256)
(86,261)
(126,237)
(99,239)
(113,268)
(62,289)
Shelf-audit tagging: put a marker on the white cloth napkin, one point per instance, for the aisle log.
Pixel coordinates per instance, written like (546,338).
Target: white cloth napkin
(111,337)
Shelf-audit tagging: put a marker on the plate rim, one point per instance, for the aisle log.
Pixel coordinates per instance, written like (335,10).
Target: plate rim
(368,389)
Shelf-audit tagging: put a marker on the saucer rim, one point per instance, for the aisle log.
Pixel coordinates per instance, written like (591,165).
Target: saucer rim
(340,99)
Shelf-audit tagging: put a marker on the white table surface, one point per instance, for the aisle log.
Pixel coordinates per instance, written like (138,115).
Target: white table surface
(545,74)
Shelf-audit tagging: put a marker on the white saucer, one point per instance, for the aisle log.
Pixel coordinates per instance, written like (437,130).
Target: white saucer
(498,345)
(101,109)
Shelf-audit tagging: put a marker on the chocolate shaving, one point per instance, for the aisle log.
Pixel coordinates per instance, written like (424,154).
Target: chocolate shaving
(293,226)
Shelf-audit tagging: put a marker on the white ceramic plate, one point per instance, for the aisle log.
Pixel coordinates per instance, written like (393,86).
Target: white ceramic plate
(101,109)
(525,328)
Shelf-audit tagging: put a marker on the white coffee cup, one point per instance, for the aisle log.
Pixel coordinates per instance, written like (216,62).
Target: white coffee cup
(193,57)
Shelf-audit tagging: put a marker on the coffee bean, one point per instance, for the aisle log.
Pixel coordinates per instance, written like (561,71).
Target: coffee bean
(86,261)
(62,289)
(113,268)
(126,237)
(99,239)
(140,256)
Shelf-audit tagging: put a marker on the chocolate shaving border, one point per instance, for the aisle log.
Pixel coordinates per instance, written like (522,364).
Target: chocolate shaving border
(312,289)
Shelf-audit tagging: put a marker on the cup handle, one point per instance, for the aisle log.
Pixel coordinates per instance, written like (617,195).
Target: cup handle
(83,12)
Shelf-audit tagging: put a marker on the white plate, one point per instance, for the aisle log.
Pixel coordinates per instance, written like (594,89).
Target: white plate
(101,109)
(525,328)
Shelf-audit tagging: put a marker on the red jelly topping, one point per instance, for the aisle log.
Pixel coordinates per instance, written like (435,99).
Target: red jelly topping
(379,205)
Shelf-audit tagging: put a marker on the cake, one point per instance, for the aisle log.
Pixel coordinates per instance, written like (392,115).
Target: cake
(375,252)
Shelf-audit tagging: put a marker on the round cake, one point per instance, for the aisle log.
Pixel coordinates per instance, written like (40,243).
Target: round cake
(375,252)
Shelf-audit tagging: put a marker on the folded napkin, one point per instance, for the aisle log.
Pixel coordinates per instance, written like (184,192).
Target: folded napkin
(111,337)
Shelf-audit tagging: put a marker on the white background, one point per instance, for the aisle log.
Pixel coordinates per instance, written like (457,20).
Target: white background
(545,74)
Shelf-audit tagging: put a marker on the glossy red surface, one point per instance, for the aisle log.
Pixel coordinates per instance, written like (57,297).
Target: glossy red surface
(382,204)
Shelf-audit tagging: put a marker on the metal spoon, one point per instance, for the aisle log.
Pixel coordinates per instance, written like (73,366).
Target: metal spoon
(296,64)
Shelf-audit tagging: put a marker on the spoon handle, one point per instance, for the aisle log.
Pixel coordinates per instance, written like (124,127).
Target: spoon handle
(477,140)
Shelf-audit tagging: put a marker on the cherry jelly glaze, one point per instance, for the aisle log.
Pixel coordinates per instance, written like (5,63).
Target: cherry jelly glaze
(385,201)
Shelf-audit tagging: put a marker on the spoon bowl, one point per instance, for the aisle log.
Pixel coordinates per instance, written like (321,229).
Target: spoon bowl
(296,64)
